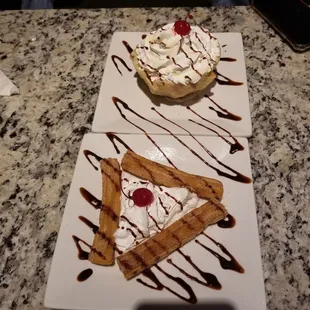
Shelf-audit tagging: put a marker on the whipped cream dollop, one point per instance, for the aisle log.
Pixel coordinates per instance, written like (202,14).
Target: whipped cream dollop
(166,55)
(139,223)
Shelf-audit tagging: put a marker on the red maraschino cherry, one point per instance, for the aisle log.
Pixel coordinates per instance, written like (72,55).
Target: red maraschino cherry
(182,27)
(142,197)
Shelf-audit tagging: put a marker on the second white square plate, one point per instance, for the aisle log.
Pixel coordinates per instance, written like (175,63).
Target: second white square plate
(224,100)
(107,287)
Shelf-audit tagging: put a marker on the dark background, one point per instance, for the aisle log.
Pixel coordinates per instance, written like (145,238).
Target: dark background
(33,4)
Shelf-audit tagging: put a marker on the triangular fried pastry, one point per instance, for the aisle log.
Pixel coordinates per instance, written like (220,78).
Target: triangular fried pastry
(162,244)
(159,174)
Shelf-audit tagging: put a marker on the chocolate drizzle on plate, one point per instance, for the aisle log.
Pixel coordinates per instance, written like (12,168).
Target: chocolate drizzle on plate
(90,224)
(116,101)
(231,264)
(211,280)
(237,177)
(159,286)
(83,255)
(84,275)
(90,198)
(113,137)
(128,47)
(148,273)
(225,80)
(97,204)
(228,222)
(224,113)
(234,147)
(229,59)
(89,154)
(114,57)
(95,230)
(143,36)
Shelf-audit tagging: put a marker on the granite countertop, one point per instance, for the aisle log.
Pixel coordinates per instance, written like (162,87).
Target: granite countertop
(57,58)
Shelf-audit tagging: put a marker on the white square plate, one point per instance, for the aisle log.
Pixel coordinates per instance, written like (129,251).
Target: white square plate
(135,93)
(107,288)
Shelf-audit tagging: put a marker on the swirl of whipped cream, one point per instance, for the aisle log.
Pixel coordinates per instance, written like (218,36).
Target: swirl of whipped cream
(139,223)
(166,55)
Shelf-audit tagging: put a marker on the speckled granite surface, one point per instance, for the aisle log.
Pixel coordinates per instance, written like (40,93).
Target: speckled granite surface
(57,58)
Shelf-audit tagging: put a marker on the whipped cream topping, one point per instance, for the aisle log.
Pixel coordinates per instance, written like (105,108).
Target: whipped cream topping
(139,223)
(166,55)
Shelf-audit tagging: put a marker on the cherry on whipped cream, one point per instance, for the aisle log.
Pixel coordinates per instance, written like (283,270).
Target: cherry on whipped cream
(182,27)
(142,197)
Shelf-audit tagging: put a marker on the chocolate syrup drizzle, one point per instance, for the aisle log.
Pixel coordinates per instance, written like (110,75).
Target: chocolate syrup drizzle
(128,47)
(132,232)
(191,47)
(162,205)
(113,137)
(204,47)
(207,32)
(88,154)
(133,225)
(153,219)
(228,222)
(176,200)
(97,204)
(231,264)
(116,101)
(90,198)
(237,177)
(114,57)
(83,255)
(95,230)
(175,62)
(128,196)
(84,275)
(226,114)
(234,147)
(210,279)
(226,80)
(90,224)
(159,286)
(229,59)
